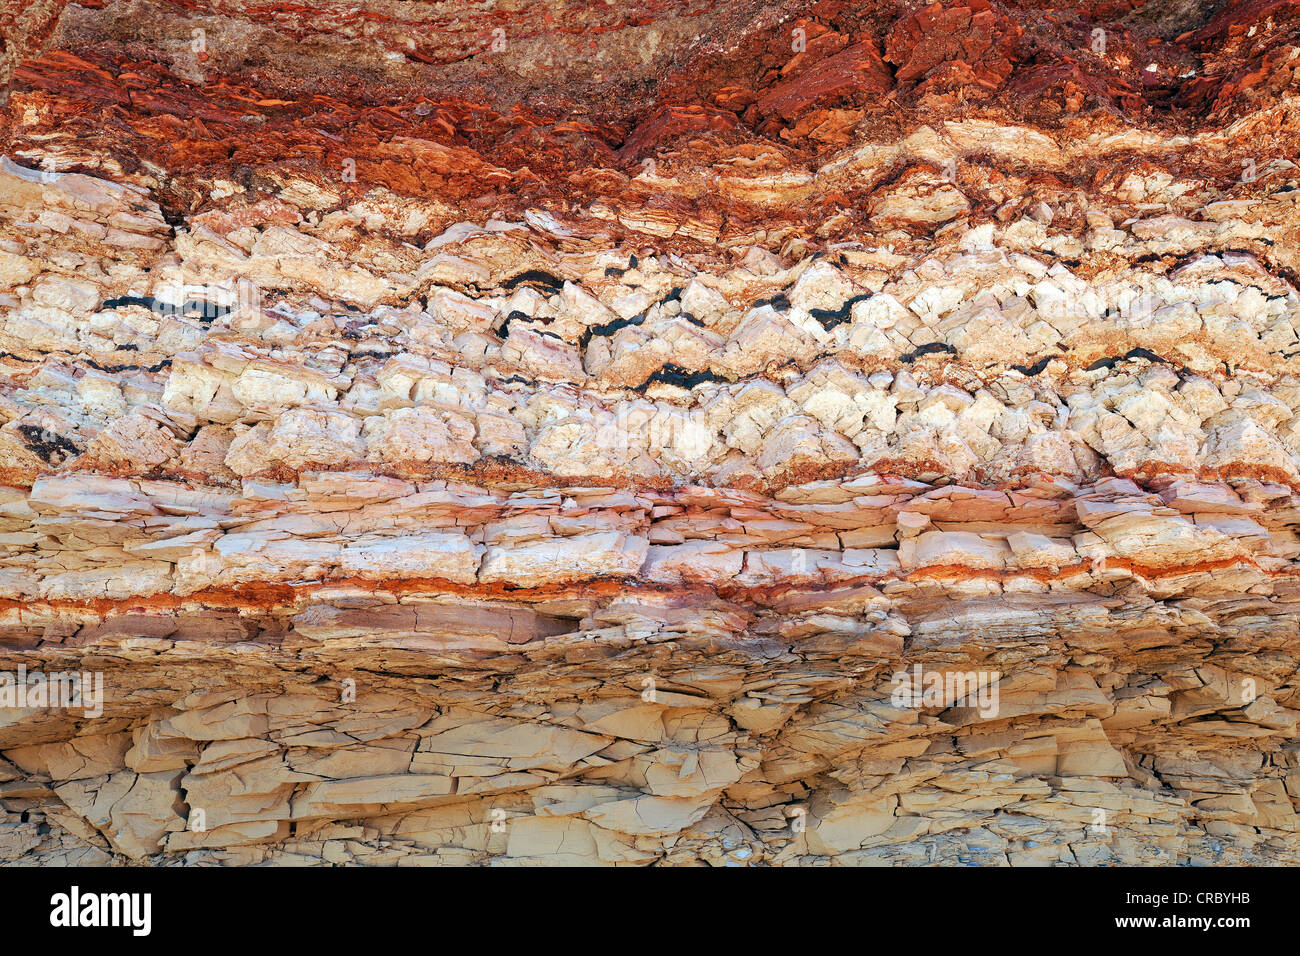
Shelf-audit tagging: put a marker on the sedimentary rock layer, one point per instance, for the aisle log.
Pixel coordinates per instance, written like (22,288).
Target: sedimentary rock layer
(664,434)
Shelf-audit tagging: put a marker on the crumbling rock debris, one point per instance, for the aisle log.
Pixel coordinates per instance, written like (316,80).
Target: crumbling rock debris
(864,433)
(970,45)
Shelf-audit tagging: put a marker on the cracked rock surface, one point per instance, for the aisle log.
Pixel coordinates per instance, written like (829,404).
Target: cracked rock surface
(556,433)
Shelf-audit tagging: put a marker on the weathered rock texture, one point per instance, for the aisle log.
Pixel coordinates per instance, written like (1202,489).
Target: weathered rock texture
(539,433)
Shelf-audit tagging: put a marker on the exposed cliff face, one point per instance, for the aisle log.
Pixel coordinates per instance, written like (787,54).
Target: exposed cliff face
(661,433)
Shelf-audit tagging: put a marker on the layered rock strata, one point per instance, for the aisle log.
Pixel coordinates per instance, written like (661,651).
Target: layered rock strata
(588,434)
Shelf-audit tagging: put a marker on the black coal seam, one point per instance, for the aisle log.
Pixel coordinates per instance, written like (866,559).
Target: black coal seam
(548,281)
(1036,367)
(110,368)
(608,328)
(671,374)
(930,349)
(505,326)
(1113,360)
(207,311)
(504,332)
(676,375)
(829,318)
(39,440)
(147,301)
(779,302)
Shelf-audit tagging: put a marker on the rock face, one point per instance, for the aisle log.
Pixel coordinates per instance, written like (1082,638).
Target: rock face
(682,433)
